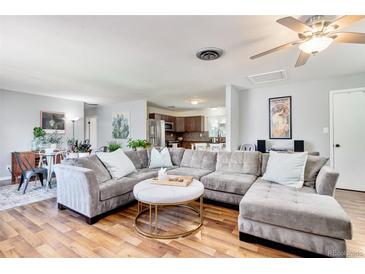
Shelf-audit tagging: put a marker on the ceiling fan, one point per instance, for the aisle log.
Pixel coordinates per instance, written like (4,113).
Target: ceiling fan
(316,34)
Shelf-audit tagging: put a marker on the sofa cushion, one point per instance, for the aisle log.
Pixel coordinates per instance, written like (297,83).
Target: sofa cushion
(117,163)
(299,209)
(160,158)
(313,166)
(176,155)
(286,168)
(143,174)
(248,162)
(228,182)
(197,173)
(116,187)
(139,158)
(199,159)
(92,162)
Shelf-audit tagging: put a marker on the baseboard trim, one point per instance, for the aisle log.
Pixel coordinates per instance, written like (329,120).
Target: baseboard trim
(5,178)
(248,238)
(351,190)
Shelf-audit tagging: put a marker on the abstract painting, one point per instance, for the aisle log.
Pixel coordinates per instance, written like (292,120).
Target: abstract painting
(53,121)
(120,126)
(280,118)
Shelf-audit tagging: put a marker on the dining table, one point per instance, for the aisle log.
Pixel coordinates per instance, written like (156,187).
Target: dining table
(51,159)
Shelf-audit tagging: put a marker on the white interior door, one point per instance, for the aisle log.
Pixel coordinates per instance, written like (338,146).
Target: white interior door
(348,116)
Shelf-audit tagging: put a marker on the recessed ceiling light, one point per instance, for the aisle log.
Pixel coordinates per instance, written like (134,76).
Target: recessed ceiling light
(194,102)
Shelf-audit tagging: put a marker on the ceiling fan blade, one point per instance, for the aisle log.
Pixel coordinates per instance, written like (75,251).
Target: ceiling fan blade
(346,20)
(287,45)
(302,59)
(294,24)
(350,37)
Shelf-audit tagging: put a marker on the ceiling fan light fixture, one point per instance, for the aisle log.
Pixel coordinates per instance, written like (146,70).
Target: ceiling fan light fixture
(316,44)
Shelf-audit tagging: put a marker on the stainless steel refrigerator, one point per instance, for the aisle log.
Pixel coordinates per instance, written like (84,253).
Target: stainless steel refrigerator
(156,132)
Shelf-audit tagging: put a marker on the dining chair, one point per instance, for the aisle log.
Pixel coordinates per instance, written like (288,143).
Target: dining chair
(216,147)
(201,146)
(248,147)
(28,172)
(49,161)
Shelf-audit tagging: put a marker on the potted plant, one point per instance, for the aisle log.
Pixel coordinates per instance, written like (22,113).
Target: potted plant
(54,140)
(84,149)
(113,146)
(38,138)
(146,144)
(138,144)
(76,149)
(72,148)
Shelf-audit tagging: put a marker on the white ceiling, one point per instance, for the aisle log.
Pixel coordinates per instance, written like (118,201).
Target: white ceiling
(102,59)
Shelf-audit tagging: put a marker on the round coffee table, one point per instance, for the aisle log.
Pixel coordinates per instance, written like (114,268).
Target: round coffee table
(151,195)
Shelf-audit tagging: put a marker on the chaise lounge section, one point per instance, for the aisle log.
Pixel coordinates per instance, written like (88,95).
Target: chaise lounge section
(300,218)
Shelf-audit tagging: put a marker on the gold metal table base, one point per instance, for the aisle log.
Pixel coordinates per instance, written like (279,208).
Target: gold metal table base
(153,224)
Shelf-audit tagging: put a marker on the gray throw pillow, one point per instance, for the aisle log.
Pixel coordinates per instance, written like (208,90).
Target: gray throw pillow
(139,158)
(312,168)
(176,155)
(92,162)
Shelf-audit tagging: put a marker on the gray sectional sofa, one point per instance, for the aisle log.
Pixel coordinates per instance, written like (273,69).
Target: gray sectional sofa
(307,219)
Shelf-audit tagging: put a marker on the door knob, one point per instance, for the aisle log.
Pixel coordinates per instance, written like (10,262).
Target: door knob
(337,145)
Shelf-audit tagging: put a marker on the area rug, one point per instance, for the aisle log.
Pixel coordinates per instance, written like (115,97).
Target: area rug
(10,196)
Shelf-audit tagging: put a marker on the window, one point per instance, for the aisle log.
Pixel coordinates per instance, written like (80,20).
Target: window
(216,126)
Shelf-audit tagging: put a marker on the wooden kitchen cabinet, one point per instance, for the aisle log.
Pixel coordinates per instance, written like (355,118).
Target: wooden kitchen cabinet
(166,118)
(189,124)
(180,124)
(155,116)
(194,124)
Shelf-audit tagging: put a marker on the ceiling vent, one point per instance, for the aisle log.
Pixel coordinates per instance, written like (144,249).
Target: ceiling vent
(209,54)
(268,77)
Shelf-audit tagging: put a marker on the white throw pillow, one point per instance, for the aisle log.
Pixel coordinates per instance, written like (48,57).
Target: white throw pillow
(286,168)
(160,159)
(118,164)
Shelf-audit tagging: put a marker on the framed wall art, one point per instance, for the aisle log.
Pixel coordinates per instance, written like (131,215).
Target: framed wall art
(280,117)
(120,125)
(53,121)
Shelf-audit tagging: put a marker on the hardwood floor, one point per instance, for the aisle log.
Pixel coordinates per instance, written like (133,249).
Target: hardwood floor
(40,230)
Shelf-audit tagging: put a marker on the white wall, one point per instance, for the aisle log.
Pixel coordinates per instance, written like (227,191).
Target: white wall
(310,111)
(20,113)
(137,115)
(232,118)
